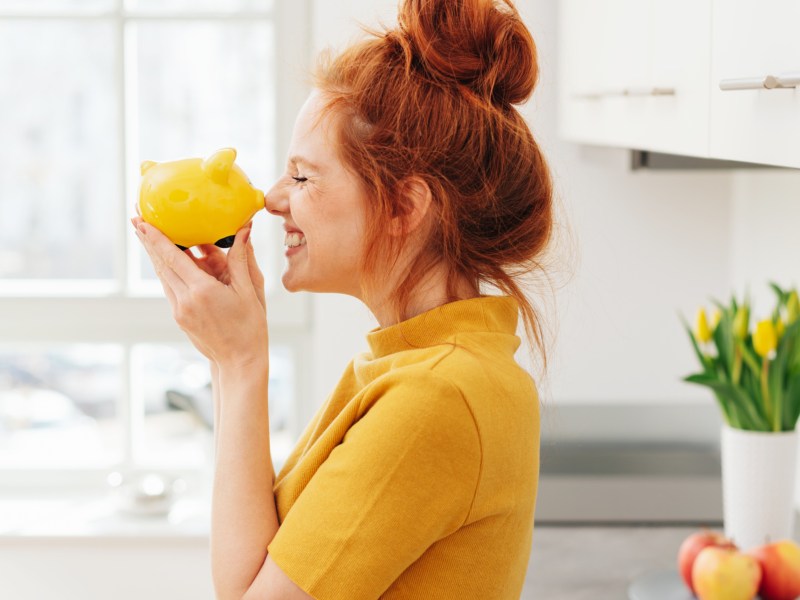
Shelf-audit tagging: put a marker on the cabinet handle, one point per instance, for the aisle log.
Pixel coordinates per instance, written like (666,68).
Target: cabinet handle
(643,91)
(770,82)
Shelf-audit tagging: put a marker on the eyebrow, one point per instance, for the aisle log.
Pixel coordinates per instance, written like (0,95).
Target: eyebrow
(299,159)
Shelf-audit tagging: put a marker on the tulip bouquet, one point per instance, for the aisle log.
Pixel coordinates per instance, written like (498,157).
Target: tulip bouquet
(755,376)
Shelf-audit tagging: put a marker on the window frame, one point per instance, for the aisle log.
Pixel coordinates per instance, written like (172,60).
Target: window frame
(120,312)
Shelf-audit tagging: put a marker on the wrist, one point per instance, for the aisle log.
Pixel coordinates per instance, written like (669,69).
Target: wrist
(241,365)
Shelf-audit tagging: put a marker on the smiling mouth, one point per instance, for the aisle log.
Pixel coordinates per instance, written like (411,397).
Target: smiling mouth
(294,239)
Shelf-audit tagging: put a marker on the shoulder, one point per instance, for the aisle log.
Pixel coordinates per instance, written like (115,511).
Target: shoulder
(420,399)
(419,388)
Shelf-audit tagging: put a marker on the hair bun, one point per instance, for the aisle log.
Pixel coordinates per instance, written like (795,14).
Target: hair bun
(482,44)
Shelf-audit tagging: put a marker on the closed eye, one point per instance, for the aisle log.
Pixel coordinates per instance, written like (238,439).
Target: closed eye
(300,179)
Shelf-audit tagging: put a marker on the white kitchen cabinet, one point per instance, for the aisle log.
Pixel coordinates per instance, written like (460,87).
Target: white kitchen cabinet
(635,73)
(755,46)
(599,58)
(680,61)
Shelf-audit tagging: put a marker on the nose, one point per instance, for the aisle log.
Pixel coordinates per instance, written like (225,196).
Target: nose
(275,202)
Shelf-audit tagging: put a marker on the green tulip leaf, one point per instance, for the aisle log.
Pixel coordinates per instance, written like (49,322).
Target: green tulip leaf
(725,403)
(736,403)
(792,404)
(782,296)
(750,357)
(723,339)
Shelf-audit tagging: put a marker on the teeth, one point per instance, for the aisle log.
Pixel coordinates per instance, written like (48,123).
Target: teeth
(294,239)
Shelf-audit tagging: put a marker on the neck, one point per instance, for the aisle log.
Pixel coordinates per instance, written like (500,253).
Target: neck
(430,293)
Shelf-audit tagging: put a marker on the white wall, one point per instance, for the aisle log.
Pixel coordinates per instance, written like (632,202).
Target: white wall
(765,241)
(643,246)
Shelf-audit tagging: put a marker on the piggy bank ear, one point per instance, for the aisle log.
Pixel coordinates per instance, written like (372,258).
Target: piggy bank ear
(146,164)
(218,165)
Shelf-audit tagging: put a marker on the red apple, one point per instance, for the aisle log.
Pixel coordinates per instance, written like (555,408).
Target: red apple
(725,574)
(780,562)
(692,546)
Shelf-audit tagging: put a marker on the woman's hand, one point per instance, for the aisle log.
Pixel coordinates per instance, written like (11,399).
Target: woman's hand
(217,299)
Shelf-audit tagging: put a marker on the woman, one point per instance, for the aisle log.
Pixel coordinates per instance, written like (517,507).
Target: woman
(411,182)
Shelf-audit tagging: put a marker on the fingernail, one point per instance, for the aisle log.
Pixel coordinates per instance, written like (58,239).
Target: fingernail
(246,235)
(142,229)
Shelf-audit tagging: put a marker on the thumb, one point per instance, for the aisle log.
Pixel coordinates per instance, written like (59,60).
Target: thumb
(237,259)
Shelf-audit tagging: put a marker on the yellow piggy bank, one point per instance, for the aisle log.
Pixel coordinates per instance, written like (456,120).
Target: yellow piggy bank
(195,201)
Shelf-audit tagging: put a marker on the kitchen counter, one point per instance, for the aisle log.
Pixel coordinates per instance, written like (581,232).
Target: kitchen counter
(569,561)
(600,562)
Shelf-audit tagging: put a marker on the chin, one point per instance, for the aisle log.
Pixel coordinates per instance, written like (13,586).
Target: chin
(291,286)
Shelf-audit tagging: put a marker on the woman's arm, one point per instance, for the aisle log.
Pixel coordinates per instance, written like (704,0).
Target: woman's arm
(215,398)
(216,402)
(218,300)
(244,518)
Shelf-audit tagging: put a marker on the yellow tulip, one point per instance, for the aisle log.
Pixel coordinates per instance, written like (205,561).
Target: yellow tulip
(702,331)
(740,322)
(765,340)
(715,317)
(793,307)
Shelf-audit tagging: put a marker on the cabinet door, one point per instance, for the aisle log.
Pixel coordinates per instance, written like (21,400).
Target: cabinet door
(634,73)
(755,46)
(600,55)
(680,58)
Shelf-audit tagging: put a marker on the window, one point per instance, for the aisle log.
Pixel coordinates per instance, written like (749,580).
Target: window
(94,373)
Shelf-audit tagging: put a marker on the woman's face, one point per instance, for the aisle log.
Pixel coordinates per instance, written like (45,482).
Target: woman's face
(319,197)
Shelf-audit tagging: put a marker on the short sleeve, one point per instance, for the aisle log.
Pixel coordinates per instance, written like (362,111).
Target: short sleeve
(403,477)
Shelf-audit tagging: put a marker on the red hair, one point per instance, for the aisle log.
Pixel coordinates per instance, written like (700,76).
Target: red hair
(433,99)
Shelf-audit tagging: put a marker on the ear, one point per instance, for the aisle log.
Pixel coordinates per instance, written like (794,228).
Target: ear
(416,201)
(146,164)
(218,166)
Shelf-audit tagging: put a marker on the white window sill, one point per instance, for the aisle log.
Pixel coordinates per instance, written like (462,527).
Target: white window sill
(92,517)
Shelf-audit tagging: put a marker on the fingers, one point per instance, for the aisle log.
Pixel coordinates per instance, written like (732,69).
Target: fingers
(168,291)
(237,260)
(252,265)
(173,285)
(213,261)
(175,264)
(209,250)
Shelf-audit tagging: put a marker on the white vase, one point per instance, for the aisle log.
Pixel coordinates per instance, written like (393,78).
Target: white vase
(758,484)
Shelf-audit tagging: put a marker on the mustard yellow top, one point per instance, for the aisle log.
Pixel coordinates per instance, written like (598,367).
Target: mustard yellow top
(417,478)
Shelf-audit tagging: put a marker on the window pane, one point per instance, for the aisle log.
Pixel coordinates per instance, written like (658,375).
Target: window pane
(204,86)
(174,386)
(66,6)
(198,5)
(58,157)
(58,406)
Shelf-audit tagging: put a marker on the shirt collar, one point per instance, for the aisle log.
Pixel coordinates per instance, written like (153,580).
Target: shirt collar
(483,314)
